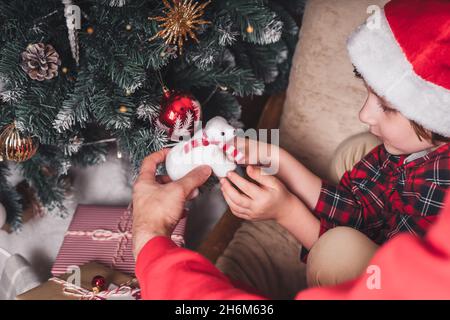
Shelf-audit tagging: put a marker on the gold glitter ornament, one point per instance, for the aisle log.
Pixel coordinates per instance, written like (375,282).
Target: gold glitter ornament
(15,147)
(181,20)
(123,109)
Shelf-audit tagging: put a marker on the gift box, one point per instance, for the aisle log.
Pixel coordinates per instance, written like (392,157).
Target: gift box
(97,233)
(102,234)
(77,285)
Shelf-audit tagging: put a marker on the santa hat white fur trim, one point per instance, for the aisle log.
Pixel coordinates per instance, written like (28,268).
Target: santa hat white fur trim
(379,59)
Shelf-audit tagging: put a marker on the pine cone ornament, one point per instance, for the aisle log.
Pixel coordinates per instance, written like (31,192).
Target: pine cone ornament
(40,61)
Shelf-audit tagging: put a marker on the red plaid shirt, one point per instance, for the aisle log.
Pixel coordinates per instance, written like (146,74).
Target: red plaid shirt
(383,196)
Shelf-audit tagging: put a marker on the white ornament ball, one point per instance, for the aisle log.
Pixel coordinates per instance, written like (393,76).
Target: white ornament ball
(2,215)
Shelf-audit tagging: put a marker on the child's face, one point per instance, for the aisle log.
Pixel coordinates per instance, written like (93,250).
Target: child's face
(390,126)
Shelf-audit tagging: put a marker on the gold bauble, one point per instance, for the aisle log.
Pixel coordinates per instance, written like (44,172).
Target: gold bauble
(90,30)
(249,29)
(14,146)
(123,109)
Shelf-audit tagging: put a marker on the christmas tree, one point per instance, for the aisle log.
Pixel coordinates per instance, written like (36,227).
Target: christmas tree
(80,77)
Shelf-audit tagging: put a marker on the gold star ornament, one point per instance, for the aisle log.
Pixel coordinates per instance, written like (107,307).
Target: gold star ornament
(180,21)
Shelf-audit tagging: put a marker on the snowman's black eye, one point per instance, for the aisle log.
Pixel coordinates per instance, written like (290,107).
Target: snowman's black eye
(222,133)
(180,138)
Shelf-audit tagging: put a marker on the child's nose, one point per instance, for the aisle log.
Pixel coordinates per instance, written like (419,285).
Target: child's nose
(367,114)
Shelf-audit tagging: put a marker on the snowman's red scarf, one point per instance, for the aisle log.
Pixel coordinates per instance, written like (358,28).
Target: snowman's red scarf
(229,149)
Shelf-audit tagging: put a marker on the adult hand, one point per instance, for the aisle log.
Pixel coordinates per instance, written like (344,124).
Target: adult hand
(158,202)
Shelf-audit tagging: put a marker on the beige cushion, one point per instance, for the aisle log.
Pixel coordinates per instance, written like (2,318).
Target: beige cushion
(323,97)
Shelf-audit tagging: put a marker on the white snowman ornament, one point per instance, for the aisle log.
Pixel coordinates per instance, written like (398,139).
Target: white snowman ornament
(212,146)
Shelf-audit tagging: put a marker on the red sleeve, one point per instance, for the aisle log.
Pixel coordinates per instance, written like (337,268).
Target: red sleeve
(168,272)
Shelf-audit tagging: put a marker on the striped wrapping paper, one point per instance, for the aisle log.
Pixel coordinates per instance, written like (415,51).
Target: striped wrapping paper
(102,234)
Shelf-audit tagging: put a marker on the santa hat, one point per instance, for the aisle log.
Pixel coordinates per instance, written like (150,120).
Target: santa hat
(403,53)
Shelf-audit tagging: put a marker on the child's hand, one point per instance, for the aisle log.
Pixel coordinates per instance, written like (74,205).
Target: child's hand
(256,152)
(268,200)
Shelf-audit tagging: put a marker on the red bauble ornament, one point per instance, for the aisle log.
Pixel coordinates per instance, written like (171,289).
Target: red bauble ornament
(99,282)
(180,114)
